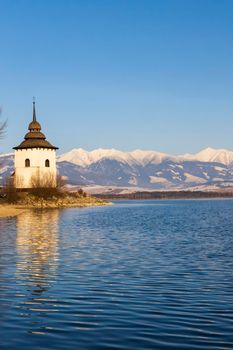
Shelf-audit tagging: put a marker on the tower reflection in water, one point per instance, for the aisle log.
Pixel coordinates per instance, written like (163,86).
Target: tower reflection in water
(37,262)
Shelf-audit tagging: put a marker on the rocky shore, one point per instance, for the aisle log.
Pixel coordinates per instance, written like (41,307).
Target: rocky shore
(68,201)
(34,202)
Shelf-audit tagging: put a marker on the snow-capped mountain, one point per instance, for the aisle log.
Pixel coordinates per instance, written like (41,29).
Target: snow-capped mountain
(212,155)
(207,169)
(6,166)
(84,158)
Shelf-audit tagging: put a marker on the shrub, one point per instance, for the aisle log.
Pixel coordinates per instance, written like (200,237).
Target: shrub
(9,191)
(80,192)
(44,186)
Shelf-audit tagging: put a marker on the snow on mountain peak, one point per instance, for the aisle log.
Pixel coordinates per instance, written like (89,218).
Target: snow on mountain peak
(215,155)
(76,156)
(5,155)
(84,158)
(145,157)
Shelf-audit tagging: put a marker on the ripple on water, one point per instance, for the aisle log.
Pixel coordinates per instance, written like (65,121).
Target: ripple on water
(136,275)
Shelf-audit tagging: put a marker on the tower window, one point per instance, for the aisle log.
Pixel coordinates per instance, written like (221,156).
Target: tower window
(47,164)
(27,163)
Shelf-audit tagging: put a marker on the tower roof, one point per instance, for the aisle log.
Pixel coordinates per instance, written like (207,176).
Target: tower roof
(35,138)
(34,125)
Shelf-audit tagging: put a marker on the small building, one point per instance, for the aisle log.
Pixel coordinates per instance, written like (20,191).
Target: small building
(35,159)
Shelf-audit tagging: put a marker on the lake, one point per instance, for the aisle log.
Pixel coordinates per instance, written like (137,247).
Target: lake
(135,275)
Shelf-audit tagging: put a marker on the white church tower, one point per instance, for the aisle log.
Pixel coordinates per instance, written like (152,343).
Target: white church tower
(35,159)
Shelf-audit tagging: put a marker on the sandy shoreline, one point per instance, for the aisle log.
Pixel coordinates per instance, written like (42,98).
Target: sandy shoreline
(10,210)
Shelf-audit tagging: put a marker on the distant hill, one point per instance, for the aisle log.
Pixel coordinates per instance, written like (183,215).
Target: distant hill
(151,170)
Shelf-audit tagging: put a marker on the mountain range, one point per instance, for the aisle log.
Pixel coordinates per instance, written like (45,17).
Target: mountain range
(151,170)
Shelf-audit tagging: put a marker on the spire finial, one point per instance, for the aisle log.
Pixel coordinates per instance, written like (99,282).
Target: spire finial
(34,109)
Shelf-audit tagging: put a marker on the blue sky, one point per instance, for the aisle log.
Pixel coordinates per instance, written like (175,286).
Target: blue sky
(123,74)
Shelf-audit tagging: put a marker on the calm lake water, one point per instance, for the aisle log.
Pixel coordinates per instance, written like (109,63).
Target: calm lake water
(136,275)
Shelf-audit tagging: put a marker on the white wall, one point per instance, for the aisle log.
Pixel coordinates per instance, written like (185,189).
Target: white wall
(37,157)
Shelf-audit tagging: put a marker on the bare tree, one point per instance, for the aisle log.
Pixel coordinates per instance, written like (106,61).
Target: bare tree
(46,186)
(2,127)
(9,191)
(2,130)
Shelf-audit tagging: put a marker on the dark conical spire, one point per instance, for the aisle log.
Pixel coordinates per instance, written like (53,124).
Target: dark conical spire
(35,138)
(34,110)
(34,126)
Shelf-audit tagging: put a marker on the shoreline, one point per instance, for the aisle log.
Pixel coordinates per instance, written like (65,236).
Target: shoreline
(171,199)
(10,210)
(167,195)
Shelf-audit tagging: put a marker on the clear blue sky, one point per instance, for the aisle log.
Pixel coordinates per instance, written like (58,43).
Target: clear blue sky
(122,74)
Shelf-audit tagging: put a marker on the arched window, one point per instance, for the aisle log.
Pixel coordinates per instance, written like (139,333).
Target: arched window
(47,163)
(27,163)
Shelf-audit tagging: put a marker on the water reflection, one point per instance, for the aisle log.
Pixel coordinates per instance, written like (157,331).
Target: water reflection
(36,263)
(37,248)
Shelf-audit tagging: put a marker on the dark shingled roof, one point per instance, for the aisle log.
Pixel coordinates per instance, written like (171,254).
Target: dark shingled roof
(34,125)
(35,138)
(35,143)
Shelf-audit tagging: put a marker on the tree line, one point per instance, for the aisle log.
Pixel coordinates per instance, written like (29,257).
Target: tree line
(167,195)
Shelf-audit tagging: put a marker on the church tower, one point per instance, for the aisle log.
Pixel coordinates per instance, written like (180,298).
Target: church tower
(35,159)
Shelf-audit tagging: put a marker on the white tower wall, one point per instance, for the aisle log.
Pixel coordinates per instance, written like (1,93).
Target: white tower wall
(37,174)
